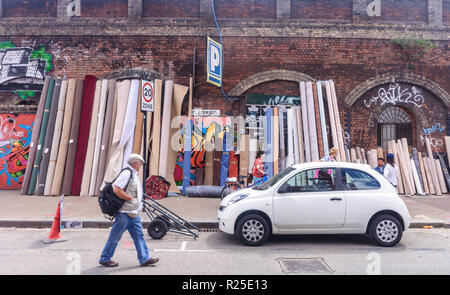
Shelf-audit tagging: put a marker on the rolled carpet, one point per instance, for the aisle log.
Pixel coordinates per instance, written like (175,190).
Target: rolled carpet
(64,140)
(83,135)
(35,138)
(42,133)
(72,149)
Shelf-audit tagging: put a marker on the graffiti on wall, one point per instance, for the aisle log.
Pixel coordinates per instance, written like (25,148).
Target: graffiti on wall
(434,134)
(395,94)
(15,139)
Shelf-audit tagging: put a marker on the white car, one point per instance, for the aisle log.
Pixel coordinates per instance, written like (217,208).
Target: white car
(317,198)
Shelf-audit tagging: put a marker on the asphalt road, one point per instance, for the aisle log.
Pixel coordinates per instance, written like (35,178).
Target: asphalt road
(422,251)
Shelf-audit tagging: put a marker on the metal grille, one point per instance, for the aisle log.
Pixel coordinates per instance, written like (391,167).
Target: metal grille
(305,265)
(393,115)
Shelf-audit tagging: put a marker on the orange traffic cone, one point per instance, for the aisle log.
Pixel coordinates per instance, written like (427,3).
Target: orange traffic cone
(55,235)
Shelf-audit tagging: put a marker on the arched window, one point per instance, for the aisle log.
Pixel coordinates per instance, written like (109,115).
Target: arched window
(394,123)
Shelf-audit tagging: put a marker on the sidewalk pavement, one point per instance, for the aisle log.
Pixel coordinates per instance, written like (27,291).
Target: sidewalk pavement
(38,212)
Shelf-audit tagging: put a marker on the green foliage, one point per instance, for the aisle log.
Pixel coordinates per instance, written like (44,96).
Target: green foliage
(40,53)
(6,45)
(24,94)
(414,48)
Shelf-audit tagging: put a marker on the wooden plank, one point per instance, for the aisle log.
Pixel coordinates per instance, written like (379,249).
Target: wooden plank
(295,136)
(434,176)
(282,152)
(243,165)
(422,171)
(290,135)
(440,176)
(416,177)
(312,123)
(156,132)
(363,156)
(445,171)
(353,155)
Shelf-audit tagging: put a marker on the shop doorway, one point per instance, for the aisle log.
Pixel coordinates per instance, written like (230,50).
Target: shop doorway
(394,123)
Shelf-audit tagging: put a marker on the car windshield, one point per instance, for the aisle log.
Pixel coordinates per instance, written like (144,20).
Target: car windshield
(272,181)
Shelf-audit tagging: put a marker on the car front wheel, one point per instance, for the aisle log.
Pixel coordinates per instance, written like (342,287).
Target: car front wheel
(386,230)
(253,230)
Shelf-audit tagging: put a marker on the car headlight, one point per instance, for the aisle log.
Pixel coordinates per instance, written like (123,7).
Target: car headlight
(233,200)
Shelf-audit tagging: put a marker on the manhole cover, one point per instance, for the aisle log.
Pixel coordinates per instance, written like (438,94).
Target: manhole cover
(304,265)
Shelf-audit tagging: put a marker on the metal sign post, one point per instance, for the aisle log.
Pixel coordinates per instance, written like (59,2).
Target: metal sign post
(147,95)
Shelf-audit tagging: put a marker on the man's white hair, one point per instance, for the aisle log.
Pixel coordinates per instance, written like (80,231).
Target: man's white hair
(135,158)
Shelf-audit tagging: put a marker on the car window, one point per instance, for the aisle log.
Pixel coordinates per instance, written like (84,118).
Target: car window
(313,180)
(272,181)
(353,179)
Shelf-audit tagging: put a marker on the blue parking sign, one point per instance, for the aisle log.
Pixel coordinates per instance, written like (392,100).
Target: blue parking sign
(214,62)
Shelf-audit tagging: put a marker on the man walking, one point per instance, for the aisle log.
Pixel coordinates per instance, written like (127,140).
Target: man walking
(127,186)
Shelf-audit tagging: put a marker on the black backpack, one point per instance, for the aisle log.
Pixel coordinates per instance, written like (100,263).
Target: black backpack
(109,202)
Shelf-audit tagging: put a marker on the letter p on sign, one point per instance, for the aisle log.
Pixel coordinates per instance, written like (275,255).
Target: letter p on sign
(214,62)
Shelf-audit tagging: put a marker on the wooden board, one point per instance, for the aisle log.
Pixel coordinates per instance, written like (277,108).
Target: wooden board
(312,129)
(83,135)
(334,134)
(306,137)
(43,171)
(339,132)
(282,148)
(88,163)
(440,176)
(268,142)
(64,140)
(276,141)
(422,172)
(243,158)
(434,176)
(42,133)
(323,125)
(35,137)
(106,134)
(156,132)
(56,137)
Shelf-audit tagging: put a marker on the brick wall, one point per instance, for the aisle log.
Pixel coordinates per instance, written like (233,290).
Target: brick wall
(323,9)
(29,8)
(102,8)
(244,9)
(171,8)
(446,11)
(403,11)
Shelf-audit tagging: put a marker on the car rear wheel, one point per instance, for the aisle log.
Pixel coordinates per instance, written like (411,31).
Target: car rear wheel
(253,230)
(386,230)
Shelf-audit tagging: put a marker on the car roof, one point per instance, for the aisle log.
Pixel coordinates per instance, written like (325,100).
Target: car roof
(321,164)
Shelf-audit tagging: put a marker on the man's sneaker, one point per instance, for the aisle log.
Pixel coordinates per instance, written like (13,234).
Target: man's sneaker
(150,261)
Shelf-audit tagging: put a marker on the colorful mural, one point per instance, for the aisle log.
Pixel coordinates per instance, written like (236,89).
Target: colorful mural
(206,129)
(15,139)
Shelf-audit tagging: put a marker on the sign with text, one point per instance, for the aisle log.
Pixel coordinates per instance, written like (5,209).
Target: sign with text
(147,95)
(205,113)
(214,62)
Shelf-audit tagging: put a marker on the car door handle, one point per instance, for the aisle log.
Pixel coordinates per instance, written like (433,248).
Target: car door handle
(336,199)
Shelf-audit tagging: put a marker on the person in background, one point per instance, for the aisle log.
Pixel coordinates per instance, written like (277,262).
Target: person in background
(128,187)
(258,168)
(390,170)
(332,157)
(380,167)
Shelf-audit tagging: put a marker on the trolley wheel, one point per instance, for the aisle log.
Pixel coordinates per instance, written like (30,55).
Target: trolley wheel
(157,229)
(165,219)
